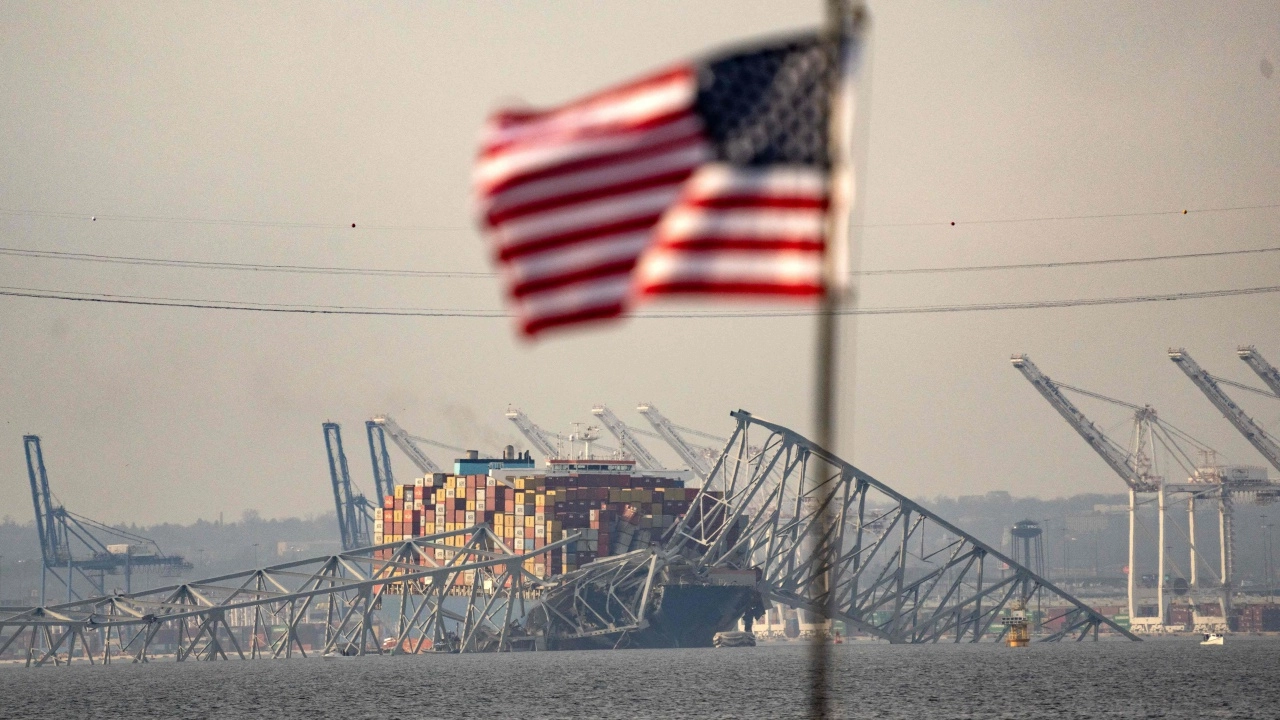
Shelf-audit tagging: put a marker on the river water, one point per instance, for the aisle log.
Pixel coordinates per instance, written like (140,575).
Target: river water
(1173,678)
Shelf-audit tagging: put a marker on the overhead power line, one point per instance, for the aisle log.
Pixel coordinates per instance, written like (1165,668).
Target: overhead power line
(237,222)
(472,275)
(1059,218)
(1063,264)
(36,293)
(247,267)
(120,217)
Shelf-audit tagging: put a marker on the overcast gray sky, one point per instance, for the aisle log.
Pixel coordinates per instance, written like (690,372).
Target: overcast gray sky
(367,113)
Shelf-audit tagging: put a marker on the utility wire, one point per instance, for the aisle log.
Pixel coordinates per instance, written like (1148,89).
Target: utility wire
(473,275)
(1058,218)
(92,217)
(1069,263)
(37,293)
(251,267)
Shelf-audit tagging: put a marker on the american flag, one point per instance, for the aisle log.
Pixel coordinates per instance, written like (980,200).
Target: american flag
(704,178)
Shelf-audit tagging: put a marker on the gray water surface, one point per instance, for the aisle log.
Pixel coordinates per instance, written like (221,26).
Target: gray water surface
(1157,679)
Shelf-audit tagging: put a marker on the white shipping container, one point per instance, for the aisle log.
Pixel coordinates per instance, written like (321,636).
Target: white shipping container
(540,531)
(519,511)
(471,517)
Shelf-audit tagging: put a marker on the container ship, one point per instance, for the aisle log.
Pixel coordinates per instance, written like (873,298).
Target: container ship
(620,515)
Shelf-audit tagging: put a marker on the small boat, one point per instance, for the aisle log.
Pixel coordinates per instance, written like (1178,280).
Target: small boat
(734,638)
(1212,639)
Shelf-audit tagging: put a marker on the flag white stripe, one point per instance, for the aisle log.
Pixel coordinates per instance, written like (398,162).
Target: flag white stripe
(750,270)
(574,218)
(506,166)
(778,267)
(575,298)
(643,104)
(573,258)
(685,157)
(763,224)
(719,180)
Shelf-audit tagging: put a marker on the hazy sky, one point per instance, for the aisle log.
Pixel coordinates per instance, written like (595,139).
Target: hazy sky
(367,113)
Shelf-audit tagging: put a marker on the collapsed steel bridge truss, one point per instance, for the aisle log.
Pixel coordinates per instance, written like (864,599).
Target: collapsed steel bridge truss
(878,561)
(425,593)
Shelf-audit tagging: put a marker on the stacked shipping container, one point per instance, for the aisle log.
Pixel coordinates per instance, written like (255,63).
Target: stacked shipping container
(613,512)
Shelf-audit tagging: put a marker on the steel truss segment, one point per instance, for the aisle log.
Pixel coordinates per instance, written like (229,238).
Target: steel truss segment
(347,588)
(893,568)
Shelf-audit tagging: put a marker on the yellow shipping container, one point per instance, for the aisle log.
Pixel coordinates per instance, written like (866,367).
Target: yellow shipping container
(397,516)
(471,506)
(540,500)
(528,521)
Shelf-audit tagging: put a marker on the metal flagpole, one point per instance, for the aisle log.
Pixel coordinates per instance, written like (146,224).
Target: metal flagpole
(844,22)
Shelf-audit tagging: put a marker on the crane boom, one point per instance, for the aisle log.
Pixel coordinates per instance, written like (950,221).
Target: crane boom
(667,430)
(1116,457)
(353,522)
(627,438)
(59,528)
(1252,431)
(53,542)
(405,442)
(1265,370)
(383,479)
(534,434)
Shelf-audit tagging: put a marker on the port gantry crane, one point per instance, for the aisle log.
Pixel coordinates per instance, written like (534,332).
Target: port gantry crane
(354,510)
(58,527)
(699,459)
(539,438)
(626,437)
(549,443)
(1265,370)
(1139,469)
(405,442)
(1268,446)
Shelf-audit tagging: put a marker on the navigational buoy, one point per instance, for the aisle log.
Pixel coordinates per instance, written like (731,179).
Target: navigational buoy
(1015,622)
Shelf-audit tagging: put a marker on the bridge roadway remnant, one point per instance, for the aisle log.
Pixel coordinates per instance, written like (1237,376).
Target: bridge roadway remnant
(824,537)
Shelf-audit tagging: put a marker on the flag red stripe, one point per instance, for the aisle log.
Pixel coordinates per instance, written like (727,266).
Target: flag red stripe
(672,177)
(512,252)
(778,202)
(507,119)
(731,287)
(552,282)
(535,325)
(730,244)
(647,143)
